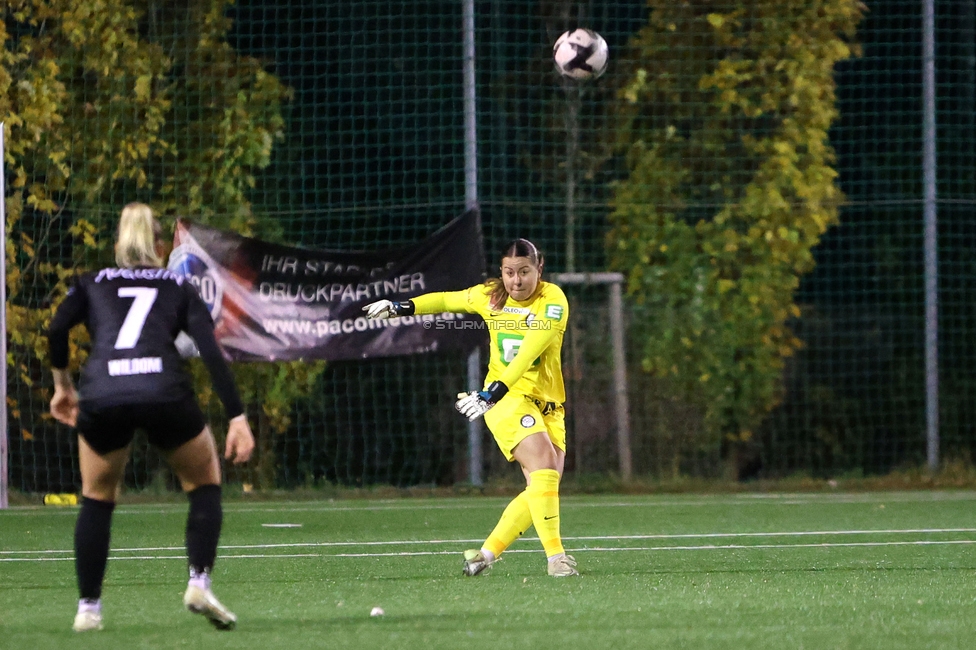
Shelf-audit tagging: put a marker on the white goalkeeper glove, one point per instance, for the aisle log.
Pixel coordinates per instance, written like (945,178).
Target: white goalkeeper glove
(476,403)
(388,309)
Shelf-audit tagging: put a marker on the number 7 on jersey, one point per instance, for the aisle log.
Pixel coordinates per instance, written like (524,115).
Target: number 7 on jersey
(135,320)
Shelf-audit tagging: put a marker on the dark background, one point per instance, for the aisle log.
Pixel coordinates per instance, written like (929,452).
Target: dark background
(375,152)
(374,157)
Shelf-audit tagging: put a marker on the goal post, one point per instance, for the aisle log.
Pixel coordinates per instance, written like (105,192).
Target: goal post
(4,428)
(621,404)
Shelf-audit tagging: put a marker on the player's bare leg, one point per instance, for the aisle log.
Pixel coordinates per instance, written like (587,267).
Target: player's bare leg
(560,464)
(197,466)
(100,478)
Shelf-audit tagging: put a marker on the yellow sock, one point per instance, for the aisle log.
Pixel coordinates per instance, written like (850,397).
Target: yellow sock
(514,522)
(543,497)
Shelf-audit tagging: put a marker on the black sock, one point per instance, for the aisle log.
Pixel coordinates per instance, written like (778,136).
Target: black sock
(92,534)
(203,528)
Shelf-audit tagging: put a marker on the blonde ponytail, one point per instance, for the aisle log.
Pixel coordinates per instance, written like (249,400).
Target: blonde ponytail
(137,237)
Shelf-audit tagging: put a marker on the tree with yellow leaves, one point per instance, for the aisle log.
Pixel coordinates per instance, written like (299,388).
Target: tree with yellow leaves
(724,126)
(110,101)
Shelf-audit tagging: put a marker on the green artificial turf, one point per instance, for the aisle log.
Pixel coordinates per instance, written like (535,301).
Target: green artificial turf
(875,570)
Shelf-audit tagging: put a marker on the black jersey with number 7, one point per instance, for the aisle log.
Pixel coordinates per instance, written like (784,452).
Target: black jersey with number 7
(133,317)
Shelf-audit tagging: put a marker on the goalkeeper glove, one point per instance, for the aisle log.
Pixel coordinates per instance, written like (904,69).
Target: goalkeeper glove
(476,403)
(388,309)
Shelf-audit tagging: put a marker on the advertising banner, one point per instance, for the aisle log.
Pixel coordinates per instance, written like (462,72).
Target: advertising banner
(279,303)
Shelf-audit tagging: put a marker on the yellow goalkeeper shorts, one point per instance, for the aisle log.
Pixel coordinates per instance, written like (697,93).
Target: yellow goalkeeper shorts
(516,417)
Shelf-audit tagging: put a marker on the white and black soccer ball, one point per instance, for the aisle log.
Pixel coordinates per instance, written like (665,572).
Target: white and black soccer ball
(581,54)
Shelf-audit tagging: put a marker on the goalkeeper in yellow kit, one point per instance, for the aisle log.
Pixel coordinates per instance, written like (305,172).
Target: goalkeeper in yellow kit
(523,394)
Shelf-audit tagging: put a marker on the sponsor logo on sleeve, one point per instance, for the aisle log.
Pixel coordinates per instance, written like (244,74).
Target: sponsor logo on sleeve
(554,312)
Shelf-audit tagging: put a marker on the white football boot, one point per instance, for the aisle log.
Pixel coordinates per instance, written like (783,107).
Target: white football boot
(202,601)
(563,566)
(475,563)
(89,616)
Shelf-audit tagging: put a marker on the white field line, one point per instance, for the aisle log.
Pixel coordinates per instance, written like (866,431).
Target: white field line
(708,547)
(568,502)
(586,538)
(598,549)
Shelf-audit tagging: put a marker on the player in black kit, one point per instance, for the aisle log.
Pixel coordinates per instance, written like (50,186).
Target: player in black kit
(134,379)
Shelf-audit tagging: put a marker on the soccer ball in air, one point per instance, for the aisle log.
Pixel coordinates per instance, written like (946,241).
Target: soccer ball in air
(580,54)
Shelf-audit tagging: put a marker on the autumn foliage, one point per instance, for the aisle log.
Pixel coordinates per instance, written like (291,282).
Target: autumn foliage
(110,101)
(724,125)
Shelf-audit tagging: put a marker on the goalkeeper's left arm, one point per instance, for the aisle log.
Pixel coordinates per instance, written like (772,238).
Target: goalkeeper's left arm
(475,404)
(429,303)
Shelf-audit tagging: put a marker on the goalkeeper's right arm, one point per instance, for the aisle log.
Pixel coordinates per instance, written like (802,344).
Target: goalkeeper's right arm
(429,303)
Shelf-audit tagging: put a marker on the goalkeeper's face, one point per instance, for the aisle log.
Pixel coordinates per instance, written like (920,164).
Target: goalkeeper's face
(520,276)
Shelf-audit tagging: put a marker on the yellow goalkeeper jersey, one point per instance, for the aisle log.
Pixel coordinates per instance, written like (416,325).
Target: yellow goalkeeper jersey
(526,336)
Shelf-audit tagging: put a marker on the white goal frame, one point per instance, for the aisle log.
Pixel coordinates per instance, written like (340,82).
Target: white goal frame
(4,428)
(621,402)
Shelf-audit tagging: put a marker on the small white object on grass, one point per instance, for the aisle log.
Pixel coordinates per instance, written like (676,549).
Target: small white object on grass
(376,611)
(282,525)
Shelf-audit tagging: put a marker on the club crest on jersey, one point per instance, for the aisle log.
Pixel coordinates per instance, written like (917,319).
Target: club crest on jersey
(193,263)
(527,421)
